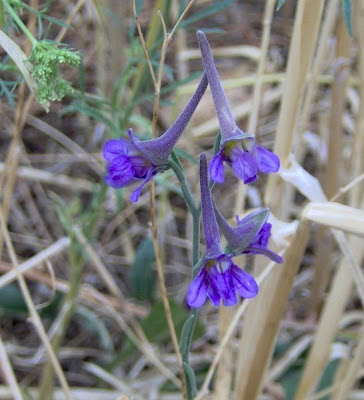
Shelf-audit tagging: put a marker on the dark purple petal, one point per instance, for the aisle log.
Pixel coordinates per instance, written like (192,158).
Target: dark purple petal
(244,283)
(267,161)
(141,166)
(257,249)
(115,148)
(197,291)
(135,195)
(213,295)
(244,164)
(210,228)
(262,238)
(217,168)
(222,283)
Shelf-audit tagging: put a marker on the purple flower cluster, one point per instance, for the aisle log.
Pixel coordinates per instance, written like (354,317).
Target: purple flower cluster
(131,161)
(219,278)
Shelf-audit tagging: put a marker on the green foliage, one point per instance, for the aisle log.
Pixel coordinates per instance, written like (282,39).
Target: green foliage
(46,58)
(206,12)
(280,4)
(142,275)
(347,10)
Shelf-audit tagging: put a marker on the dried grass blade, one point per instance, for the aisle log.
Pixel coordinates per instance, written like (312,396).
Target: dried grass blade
(336,216)
(266,312)
(337,299)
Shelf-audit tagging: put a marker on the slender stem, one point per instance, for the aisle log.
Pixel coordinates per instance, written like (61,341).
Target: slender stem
(141,37)
(184,186)
(20,23)
(163,289)
(170,35)
(2,15)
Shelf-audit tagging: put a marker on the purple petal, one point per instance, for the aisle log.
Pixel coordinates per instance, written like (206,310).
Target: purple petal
(120,172)
(267,160)
(244,165)
(115,148)
(257,249)
(244,283)
(217,168)
(197,291)
(223,284)
(135,195)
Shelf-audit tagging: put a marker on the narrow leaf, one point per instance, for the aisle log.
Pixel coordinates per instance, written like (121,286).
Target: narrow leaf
(347,11)
(190,381)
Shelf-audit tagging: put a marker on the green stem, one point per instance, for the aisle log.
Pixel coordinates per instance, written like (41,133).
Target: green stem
(20,23)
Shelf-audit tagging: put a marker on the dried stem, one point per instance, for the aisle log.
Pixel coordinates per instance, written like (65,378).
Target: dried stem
(8,372)
(33,312)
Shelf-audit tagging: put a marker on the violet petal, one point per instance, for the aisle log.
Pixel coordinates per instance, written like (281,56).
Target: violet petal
(244,165)
(197,291)
(267,161)
(115,148)
(135,195)
(257,249)
(217,168)
(244,283)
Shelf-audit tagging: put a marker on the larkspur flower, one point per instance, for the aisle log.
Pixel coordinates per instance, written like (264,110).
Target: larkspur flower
(219,278)
(250,236)
(238,149)
(142,160)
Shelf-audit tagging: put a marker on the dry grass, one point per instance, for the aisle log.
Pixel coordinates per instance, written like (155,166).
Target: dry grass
(293,77)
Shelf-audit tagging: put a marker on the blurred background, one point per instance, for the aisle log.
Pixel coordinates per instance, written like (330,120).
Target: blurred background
(294,77)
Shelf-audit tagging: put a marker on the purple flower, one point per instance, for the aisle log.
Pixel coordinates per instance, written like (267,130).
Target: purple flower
(219,278)
(238,149)
(251,236)
(142,160)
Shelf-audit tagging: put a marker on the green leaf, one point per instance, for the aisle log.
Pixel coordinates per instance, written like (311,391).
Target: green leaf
(280,4)
(185,336)
(190,381)
(142,275)
(11,301)
(347,10)
(156,329)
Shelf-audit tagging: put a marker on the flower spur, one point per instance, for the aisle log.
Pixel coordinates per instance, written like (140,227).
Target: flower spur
(238,149)
(142,160)
(219,278)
